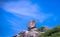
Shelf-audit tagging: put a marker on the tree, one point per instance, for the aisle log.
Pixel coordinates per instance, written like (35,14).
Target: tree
(55,32)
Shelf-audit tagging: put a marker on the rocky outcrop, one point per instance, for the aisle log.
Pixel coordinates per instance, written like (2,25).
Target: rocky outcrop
(31,32)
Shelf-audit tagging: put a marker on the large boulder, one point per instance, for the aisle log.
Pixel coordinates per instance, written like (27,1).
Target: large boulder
(31,32)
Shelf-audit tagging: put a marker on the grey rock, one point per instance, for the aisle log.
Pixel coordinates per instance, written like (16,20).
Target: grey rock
(31,32)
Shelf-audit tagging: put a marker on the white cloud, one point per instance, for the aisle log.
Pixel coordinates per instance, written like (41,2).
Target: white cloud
(25,8)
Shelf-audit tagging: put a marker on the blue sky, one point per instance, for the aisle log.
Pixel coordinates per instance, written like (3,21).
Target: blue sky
(15,15)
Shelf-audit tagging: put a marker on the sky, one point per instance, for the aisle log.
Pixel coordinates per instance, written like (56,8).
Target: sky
(15,15)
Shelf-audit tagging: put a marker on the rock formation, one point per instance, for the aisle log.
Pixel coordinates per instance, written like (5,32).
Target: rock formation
(31,32)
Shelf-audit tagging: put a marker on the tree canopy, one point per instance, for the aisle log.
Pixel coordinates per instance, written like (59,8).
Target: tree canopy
(54,32)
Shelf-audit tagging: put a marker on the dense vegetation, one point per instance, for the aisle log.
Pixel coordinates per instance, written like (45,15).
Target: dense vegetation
(55,32)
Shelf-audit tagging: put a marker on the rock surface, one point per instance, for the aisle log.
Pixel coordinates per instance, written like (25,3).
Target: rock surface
(31,32)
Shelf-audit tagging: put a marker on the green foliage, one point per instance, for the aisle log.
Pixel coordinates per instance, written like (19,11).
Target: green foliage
(43,29)
(40,29)
(55,32)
